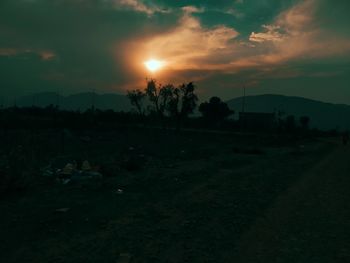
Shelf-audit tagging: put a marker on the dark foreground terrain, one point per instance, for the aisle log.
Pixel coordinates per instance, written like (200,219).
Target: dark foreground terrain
(189,197)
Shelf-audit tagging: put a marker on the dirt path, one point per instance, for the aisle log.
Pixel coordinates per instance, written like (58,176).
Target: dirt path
(310,222)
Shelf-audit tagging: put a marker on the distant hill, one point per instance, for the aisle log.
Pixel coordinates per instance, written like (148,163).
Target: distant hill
(80,101)
(323,115)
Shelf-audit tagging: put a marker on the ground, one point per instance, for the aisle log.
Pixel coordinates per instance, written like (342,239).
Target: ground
(310,222)
(196,197)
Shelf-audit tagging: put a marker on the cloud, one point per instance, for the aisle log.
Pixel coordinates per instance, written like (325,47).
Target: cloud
(189,45)
(272,34)
(8,52)
(292,36)
(297,35)
(299,18)
(234,12)
(193,49)
(140,6)
(80,44)
(192,9)
(197,51)
(75,36)
(43,54)
(47,55)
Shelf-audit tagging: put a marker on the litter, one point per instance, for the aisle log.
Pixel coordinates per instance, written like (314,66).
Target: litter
(68,169)
(66,181)
(120,191)
(72,173)
(86,166)
(47,171)
(62,210)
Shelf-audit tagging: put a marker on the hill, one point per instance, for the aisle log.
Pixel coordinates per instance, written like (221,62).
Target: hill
(323,115)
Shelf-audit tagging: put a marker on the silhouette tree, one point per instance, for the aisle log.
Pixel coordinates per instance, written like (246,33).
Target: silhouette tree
(152,92)
(165,96)
(136,98)
(183,102)
(215,111)
(173,105)
(189,99)
(177,102)
(158,96)
(304,122)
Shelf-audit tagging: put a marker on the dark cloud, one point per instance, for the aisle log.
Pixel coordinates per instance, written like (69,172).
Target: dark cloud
(84,36)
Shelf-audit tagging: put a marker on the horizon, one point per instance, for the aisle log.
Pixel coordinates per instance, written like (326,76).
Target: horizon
(7,101)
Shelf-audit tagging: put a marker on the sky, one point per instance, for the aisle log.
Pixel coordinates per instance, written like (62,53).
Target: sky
(289,47)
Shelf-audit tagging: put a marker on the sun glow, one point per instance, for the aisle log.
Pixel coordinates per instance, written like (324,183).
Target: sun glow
(154,65)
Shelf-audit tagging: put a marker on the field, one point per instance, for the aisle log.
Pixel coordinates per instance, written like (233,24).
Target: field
(175,197)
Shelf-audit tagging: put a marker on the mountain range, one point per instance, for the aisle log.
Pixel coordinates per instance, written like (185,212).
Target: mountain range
(322,115)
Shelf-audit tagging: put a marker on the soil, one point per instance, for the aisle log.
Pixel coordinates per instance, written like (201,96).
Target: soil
(193,198)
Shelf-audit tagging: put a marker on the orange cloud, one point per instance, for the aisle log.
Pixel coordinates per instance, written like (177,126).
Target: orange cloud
(193,51)
(8,51)
(294,36)
(44,54)
(47,55)
(272,34)
(189,42)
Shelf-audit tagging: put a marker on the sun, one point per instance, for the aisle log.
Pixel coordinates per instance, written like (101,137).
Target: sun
(154,64)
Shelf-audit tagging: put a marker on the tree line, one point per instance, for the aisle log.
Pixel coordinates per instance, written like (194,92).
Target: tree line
(177,103)
(166,105)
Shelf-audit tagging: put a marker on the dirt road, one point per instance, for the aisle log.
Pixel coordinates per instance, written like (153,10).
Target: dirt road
(310,222)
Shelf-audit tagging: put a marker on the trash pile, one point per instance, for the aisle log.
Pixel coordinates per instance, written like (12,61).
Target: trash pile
(67,169)
(73,172)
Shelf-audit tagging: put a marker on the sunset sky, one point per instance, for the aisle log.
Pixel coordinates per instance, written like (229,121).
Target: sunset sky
(289,47)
